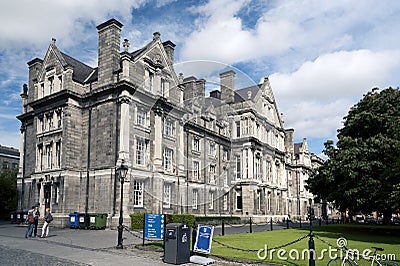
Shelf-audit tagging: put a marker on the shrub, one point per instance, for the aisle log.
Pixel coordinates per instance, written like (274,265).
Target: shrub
(137,219)
(215,220)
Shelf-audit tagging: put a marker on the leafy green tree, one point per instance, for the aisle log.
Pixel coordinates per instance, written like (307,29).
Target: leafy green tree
(8,190)
(363,170)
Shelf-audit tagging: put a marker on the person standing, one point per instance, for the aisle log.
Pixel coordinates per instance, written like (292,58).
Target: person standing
(31,222)
(48,217)
(36,216)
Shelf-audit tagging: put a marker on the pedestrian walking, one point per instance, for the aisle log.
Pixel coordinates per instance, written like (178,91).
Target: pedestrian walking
(36,216)
(48,217)
(31,222)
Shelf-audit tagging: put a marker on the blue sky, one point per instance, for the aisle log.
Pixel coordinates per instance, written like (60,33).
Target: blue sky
(320,56)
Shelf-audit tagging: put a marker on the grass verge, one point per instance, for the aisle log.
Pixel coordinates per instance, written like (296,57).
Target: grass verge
(360,237)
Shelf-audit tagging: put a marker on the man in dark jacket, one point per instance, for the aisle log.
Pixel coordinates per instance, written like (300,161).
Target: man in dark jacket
(36,216)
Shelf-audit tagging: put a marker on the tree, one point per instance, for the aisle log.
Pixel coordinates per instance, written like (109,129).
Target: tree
(8,190)
(363,170)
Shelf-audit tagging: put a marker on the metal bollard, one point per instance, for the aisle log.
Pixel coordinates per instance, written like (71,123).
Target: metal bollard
(271,224)
(251,226)
(287,223)
(320,222)
(311,249)
(300,221)
(223,227)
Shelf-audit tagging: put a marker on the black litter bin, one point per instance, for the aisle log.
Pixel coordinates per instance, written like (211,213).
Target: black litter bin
(13,217)
(83,221)
(177,243)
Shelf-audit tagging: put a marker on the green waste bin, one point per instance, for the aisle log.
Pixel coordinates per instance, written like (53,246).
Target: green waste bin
(98,220)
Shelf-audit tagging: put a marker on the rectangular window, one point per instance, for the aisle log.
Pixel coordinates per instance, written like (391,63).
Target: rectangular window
(211,200)
(258,200)
(212,150)
(49,121)
(195,200)
(59,119)
(140,151)
(246,127)
(225,176)
(269,201)
(258,167)
(225,155)
(225,202)
(167,196)
(60,82)
(42,89)
(58,154)
(138,194)
(168,127)
(196,170)
(163,87)
(196,144)
(239,204)
(40,154)
(168,154)
(212,174)
(238,168)
(49,153)
(141,118)
(51,85)
(238,129)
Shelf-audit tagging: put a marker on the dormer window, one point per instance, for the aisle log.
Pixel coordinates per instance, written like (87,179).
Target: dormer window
(51,84)
(60,82)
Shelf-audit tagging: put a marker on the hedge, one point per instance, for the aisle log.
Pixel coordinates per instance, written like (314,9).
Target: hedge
(216,220)
(137,219)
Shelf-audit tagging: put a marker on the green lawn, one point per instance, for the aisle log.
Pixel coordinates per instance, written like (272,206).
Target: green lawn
(360,237)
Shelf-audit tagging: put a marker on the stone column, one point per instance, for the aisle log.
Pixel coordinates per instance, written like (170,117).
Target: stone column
(251,163)
(158,138)
(124,132)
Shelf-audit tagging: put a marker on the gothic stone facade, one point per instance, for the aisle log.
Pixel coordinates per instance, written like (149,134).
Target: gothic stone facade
(226,154)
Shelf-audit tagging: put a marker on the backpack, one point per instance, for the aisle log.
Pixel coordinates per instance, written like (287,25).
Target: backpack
(31,219)
(49,218)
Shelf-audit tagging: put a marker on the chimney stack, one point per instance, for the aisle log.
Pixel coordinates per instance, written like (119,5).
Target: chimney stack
(109,50)
(227,80)
(170,50)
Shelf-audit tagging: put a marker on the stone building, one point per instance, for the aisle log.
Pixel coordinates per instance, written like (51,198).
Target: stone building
(223,154)
(9,158)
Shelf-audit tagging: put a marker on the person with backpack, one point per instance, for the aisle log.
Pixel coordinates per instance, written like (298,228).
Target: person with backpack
(36,216)
(48,217)
(31,222)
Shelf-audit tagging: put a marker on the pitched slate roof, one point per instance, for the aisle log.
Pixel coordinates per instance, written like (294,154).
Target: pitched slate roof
(81,71)
(242,94)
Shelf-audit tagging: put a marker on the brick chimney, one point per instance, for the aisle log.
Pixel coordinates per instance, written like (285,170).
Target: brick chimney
(227,80)
(109,50)
(170,50)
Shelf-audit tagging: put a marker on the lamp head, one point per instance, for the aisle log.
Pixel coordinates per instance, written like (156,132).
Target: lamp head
(122,170)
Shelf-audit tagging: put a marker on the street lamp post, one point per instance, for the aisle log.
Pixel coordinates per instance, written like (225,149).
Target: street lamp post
(121,172)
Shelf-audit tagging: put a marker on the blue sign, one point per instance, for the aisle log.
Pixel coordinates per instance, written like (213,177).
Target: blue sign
(204,239)
(154,226)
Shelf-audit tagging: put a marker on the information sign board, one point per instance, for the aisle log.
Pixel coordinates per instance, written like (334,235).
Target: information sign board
(154,226)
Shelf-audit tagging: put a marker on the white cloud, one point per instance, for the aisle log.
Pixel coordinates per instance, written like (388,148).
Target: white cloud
(316,97)
(36,22)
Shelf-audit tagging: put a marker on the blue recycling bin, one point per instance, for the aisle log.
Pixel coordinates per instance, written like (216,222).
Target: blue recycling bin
(74,220)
